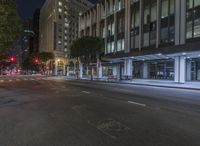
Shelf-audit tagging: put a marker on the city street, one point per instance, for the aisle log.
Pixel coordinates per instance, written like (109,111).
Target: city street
(46,112)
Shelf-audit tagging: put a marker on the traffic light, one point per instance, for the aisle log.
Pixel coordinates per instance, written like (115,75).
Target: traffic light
(36,61)
(12,59)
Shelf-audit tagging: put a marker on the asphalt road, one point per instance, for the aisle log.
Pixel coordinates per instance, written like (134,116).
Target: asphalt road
(82,113)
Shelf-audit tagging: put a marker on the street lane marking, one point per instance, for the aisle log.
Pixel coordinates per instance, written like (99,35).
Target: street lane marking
(2,80)
(86,92)
(10,80)
(136,103)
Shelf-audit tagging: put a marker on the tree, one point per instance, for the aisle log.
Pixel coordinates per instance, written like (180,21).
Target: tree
(86,46)
(10,24)
(87,49)
(39,60)
(46,56)
(3,61)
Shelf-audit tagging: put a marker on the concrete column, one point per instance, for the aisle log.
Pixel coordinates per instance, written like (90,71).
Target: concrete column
(75,68)
(126,28)
(114,70)
(145,70)
(90,26)
(183,22)
(98,10)
(128,67)
(79,26)
(188,70)
(127,25)
(56,69)
(180,20)
(111,5)
(158,23)
(99,70)
(80,70)
(68,71)
(115,32)
(141,27)
(64,70)
(88,70)
(177,22)
(85,25)
(106,27)
(180,69)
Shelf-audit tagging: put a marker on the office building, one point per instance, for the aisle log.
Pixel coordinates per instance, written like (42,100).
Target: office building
(147,39)
(59,28)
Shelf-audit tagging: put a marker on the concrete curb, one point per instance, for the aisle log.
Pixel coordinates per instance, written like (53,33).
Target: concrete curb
(138,84)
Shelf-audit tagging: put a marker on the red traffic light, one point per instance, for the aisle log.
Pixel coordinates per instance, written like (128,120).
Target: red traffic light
(12,59)
(36,61)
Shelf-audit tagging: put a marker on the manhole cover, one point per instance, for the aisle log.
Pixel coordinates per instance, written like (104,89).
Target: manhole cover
(111,125)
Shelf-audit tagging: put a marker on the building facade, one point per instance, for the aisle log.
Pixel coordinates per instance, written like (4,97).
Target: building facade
(36,19)
(147,39)
(59,28)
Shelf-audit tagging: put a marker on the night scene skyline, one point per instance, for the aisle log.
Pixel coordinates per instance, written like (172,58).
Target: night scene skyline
(26,8)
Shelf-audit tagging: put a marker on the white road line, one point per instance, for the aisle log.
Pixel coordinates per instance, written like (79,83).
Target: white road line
(86,92)
(10,80)
(136,103)
(2,81)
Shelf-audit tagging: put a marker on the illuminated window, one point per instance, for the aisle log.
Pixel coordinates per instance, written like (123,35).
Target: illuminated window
(59,10)
(193,19)
(60,3)
(167,32)
(135,21)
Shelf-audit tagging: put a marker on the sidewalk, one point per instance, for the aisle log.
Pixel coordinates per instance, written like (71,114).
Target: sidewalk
(148,82)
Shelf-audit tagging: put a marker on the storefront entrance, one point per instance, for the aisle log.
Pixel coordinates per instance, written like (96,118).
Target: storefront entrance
(193,67)
(137,70)
(163,69)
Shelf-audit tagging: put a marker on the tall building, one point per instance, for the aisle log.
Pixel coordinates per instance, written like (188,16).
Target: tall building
(36,18)
(147,39)
(59,27)
(27,40)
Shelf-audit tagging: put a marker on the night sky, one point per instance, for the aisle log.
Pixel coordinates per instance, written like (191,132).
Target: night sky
(26,8)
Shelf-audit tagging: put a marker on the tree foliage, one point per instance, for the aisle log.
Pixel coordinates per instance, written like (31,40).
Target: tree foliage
(42,57)
(86,47)
(46,56)
(10,24)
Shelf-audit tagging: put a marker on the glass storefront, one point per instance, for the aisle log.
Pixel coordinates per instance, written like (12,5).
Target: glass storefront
(193,69)
(137,70)
(161,70)
(107,71)
(158,69)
